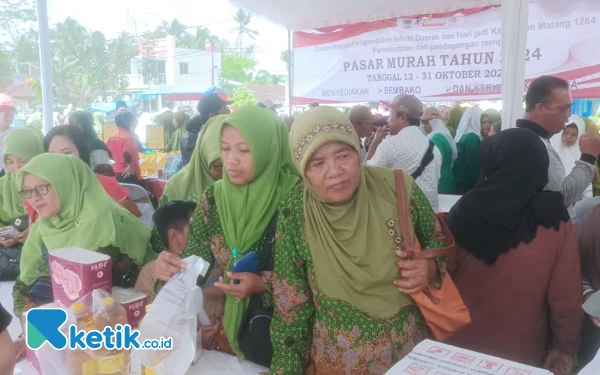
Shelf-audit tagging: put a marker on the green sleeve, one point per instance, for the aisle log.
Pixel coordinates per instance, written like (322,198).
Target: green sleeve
(205,230)
(156,241)
(472,143)
(427,228)
(291,329)
(442,144)
(22,301)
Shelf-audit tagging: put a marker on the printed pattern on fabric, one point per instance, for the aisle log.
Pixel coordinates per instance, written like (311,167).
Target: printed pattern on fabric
(307,139)
(315,334)
(207,240)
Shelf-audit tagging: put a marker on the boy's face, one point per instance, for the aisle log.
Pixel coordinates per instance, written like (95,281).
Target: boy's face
(178,239)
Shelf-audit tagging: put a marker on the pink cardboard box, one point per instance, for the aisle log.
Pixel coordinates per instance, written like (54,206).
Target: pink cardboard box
(133,302)
(76,272)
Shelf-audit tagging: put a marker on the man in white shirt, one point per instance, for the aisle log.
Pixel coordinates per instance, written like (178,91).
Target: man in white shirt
(408,148)
(364,123)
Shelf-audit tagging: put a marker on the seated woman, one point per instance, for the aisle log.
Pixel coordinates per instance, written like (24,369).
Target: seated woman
(340,306)
(440,135)
(234,214)
(20,146)
(98,151)
(69,140)
(124,148)
(468,138)
(74,210)
(517,266)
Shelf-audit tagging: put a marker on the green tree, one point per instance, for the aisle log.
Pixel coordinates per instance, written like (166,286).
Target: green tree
(265,78)
(174,28)
(242,96)
(242,28)
(286,57)
(200,38)
(16,18)
(7,67)
(149,68)
(237,68)
(119,52)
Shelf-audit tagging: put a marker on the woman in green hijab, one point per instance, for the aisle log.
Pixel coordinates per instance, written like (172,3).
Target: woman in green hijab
(204,168)
(338,308)
(234,213)
(74,210)
(454,117)
(180,120)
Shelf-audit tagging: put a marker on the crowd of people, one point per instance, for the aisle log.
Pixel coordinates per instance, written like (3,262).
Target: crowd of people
(317,205)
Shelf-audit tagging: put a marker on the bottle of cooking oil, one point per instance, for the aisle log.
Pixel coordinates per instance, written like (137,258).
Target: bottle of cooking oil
(78,361)
(112,361)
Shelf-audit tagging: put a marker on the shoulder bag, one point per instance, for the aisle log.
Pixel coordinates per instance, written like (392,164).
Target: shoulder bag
(10,257)
(443,309)
(254,336)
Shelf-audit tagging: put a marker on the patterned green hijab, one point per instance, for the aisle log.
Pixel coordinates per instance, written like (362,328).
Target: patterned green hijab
(245,211)
(24,144)
(88,218)
(191,181)
(353,244)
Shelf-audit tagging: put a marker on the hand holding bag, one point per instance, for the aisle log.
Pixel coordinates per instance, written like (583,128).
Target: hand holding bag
(443,309)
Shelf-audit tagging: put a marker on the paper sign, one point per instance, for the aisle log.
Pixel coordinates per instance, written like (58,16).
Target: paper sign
(108,130)
(592,305)
(434,358)
(155,137)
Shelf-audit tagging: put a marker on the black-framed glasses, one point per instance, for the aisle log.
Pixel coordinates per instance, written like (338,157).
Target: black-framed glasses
(40,190)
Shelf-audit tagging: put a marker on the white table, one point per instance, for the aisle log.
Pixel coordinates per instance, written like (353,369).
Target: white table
(210,363)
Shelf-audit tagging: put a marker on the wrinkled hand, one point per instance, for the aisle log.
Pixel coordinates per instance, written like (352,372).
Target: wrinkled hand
(559,363)
(590,144)
(128,171)
(166,265)
(250,283)
(381,133)
(415,275)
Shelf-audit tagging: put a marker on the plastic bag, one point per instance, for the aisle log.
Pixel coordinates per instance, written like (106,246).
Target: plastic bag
(174,314)
(148,164)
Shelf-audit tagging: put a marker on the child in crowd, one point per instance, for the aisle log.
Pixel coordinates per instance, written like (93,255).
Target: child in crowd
(172,220)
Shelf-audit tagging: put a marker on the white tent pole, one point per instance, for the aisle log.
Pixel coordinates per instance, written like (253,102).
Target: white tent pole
(290,80)
(515,15)
(46,64)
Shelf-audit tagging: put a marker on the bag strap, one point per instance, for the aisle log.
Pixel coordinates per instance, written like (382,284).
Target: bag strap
(427,158)
(268,241)
(413,247)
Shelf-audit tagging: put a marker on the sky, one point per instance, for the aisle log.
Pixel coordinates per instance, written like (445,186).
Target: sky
(137,16)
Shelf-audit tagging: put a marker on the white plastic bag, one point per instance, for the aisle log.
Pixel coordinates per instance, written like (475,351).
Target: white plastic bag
(174,314)
(48,360)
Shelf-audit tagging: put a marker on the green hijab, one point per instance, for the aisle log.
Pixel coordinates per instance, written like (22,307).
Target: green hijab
(246,210)
(353,243)
(191,181)
(454,117)
(88,217)
(25,144)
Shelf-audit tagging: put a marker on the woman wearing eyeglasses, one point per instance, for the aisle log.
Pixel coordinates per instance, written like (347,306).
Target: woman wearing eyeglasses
(74,210)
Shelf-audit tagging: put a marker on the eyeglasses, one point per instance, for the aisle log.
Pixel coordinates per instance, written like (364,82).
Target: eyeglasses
(40,190)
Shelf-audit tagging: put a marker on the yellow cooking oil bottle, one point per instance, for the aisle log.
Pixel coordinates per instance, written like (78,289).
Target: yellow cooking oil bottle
(78,361)
(112,361)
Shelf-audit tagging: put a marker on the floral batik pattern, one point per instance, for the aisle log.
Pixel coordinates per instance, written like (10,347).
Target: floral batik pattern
(314,334)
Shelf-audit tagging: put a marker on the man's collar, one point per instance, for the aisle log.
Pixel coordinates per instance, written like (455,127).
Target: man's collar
(534,127)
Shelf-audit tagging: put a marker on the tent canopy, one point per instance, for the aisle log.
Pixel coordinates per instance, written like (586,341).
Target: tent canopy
(311,14)
(182,93)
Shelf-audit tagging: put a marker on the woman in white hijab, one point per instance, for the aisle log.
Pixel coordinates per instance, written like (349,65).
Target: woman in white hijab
(566,144)
(437,132)
(468,139)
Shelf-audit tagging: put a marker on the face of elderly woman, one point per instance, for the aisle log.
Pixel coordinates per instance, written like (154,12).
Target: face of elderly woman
(236,156)
(334,172)
(41,196)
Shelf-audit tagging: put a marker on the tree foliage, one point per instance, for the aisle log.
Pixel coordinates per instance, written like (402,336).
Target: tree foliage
(242,96)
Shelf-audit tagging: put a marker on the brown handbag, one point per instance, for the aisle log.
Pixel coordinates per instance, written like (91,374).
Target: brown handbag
(443,309)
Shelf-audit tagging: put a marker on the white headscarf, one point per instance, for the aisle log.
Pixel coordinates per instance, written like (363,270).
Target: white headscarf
(469,123)
(438,127)
(443,110)
(568,155)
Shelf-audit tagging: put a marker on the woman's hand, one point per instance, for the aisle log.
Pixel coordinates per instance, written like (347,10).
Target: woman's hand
(415,274)
(166,265)
(559,363)
(8,242)
(250,283)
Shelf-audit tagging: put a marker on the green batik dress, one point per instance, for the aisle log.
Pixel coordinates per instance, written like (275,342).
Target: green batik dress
(314,334)
(207,240)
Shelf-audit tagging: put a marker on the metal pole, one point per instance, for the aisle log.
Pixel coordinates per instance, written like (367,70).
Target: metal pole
(212,64)
(290,79)
(45,64)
